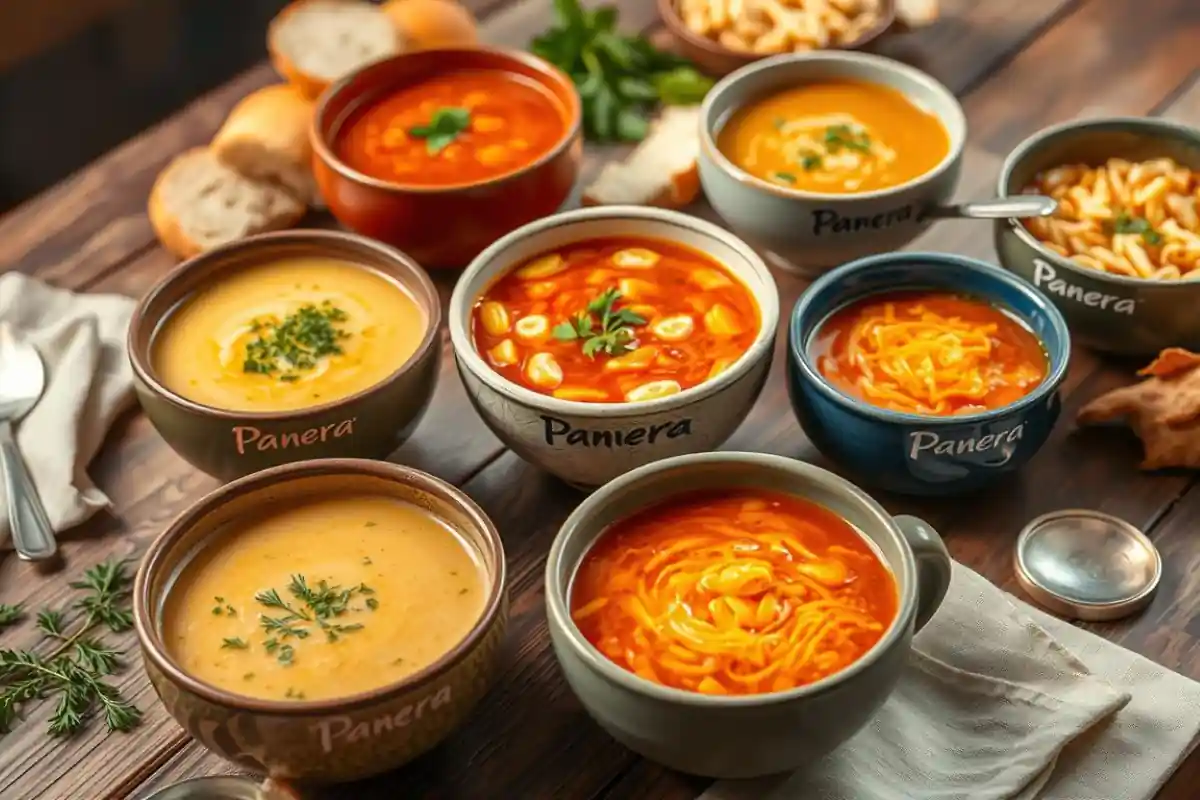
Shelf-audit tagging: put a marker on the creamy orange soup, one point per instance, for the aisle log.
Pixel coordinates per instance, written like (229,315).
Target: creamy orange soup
(835,138)
(329,598)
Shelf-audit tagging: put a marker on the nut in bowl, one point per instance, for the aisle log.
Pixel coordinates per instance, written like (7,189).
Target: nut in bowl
(825,157)
(812,590)
(312,657)
(285,347)
(1121,255)
(441,152)
(926,373)
(598,340)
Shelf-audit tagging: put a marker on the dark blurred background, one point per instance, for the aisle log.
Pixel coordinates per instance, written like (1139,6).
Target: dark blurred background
(78,77)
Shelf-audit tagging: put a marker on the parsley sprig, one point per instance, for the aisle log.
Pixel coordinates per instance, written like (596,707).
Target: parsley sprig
(446,124)
(843,136)
(311,610)
(1127,223)
(296,343)
(613,335)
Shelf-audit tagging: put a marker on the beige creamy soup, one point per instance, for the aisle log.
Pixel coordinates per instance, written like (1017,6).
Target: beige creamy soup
(288,334)
(330,598)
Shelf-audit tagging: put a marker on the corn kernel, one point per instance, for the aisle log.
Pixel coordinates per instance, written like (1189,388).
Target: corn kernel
(486,124)
(644,311)
(394,137)
(534,326)
(495,318)
(635,361)
(543,267)
(598,277)
(543,371)
(474,99)
(519,144)
(673,329)
(492,154)
(580,394)
(653,391)
(541,290)
(709,279)
(635,288)
(719,366)
(635,258)
(503,354)
(721,320)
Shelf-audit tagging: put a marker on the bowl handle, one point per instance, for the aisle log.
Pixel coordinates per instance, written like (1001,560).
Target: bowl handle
(933,566)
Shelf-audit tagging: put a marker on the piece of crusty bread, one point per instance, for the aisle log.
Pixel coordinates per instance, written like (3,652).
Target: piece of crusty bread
(198,203)
(916,13)
(265,137)
(316,42)
(661,171)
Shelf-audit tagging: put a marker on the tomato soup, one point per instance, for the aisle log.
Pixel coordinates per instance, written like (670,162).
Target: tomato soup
(835,138)
(455,128)
(929,353)
(615,320)
(737,593)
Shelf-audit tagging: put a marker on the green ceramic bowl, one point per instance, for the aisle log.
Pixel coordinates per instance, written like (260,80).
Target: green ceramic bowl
(228,444)
(1110,313)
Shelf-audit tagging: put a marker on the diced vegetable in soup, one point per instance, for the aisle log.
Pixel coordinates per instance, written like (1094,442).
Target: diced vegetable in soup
(733,593)
(615,320)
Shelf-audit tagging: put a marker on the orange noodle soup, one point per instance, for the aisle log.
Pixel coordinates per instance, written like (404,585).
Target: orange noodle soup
(733,593)
(931,353)
(615,321)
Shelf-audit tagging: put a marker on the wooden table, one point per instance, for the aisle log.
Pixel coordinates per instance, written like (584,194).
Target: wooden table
(1017,66)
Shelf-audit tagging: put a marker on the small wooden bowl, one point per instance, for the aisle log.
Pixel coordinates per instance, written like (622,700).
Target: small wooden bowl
(717,59)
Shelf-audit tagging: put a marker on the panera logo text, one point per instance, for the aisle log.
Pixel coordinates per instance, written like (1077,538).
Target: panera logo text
(826,220)
(248,437)
(1045,277)
(923,444)
(557,431)
(343,730)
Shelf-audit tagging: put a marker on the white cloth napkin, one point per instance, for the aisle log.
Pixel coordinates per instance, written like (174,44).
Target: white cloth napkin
(81,338)
(1003,702)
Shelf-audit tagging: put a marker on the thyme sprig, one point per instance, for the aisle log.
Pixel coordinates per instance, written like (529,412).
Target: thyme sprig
(311,610)
(286,348)
(614,334)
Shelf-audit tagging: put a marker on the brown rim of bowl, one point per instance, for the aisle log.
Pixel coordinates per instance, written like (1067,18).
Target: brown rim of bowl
(154,559)
(674,22)
(144,370)
(1149,127)
(573,113)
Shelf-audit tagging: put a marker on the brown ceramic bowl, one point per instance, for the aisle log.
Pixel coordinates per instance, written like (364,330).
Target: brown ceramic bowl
(346,738)
(443,226)
(228,444)
(717,59)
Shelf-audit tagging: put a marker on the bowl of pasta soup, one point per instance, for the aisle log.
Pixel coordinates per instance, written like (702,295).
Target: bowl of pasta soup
(598,340)
(800,596)
(926,373)
(1121,255)
(820,158)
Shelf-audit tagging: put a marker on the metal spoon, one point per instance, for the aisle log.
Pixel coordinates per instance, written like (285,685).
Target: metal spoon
(22,381)
(1018,206)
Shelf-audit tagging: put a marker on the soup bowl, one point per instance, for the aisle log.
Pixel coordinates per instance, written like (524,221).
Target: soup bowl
(808,231)
(588,443)
(912,453)
(444,225)
(1106,311)
(226,443)
(344,737)
(748,735)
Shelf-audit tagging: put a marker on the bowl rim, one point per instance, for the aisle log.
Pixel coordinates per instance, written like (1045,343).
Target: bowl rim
(558,614)
(674,22)
(766,297)
(730,84)
(1151,127)
(155,560)
(142,363)
(798,354)
(572,116)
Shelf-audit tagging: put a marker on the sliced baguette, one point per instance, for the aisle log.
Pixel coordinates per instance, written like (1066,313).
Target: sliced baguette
(198,203)
(661,171)
(316,42)
(265,137)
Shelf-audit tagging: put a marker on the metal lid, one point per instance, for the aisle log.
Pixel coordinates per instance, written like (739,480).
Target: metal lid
(215,787)
(1087,565)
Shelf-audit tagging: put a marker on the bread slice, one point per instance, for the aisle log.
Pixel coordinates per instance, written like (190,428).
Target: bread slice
(265,137)
(316,42)
(198,203)
(661,171)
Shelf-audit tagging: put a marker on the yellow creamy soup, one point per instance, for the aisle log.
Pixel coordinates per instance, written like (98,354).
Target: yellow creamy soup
(328,599)
(288,334)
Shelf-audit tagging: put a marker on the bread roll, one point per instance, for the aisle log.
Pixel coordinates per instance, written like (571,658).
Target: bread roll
(916,13)
(433,24)
(661,171)
(199,203)
(316,42)
(265,137)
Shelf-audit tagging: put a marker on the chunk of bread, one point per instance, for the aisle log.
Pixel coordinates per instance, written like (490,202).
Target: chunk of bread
(314,43)
(199,203)
(661,171)
(265,137)
(916,13)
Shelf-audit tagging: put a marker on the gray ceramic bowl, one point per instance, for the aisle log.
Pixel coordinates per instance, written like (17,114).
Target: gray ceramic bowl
(587,444)
(1111,313)
(747,736)
(808,231)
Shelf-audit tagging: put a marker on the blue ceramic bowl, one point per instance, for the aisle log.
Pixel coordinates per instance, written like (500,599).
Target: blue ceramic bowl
(909,453)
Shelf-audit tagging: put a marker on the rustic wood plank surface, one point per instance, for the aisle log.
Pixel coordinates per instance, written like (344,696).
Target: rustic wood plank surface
(1016,66)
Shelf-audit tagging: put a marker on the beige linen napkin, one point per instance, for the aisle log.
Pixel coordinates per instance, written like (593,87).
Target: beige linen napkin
(81,338)
(1003,702)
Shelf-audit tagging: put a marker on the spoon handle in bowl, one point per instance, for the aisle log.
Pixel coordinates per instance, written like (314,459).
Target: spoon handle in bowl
(32,536)
(1021,206)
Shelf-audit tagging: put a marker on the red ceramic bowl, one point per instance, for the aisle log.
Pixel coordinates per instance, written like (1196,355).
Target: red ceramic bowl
(443,226)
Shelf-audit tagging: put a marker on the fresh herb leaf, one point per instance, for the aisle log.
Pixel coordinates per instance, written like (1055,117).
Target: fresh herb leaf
(235,643)
(446,124)
(615,333)
(10,614)
(285,348)
(1127,223)
(786,177)
(843,136)
(811,162)
(51,622)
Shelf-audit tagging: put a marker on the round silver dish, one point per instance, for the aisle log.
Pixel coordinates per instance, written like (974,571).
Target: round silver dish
(214,787)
